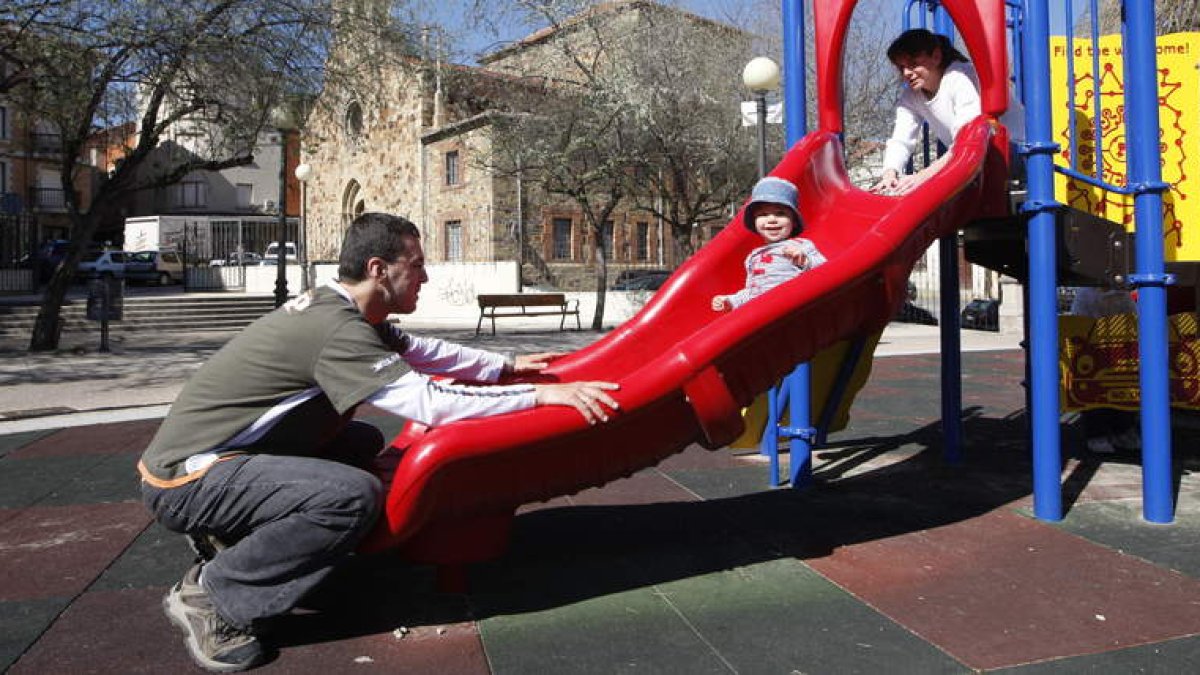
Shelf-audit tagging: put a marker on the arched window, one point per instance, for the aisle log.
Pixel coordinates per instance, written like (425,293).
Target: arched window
(354,121)
(352,202)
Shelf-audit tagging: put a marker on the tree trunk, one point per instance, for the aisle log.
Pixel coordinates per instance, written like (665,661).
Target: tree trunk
(601,284)
(682,236)
(47,328)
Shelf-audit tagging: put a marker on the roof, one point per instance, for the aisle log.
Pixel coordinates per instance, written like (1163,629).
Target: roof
(614,7)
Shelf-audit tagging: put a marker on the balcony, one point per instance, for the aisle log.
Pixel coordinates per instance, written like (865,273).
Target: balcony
(45,199)
(43,143)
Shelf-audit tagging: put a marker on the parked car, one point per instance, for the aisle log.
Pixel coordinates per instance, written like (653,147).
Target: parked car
(244,258)
(100,264)
(640,280)
(982,315)
(49,255)
(161,267)
(289,251)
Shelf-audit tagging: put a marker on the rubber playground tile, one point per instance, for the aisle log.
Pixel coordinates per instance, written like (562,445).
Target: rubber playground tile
(780,616)
(646,487)
(454,649)
(125,438)
(11,442)
(110,632)
(1161,658)
(67,480)
(376,611)
(1119,526)
(748,478)
(634,630)
(560,557)
(697,457)
(59,551)
(22,623)
(157,558)
(1002,590)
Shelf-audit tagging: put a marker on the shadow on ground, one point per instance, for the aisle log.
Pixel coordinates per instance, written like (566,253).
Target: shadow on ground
(564,555)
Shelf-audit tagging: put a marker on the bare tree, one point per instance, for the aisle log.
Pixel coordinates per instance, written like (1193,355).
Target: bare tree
(1170,16)
(577,148)
(681,78)
(215,66)
(645,116)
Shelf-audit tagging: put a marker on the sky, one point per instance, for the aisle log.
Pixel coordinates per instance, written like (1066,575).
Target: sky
(452,14)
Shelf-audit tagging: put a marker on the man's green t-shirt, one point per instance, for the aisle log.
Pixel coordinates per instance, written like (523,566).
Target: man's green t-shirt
(317,354)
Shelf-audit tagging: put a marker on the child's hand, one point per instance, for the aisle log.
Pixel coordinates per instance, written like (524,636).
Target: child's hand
(720,303)
(796,255)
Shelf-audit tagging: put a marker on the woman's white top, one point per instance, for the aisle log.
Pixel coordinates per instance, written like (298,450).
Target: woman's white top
(955,104)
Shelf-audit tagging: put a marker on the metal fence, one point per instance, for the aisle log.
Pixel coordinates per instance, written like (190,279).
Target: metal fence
(19,262)
(979,294)
(218,258)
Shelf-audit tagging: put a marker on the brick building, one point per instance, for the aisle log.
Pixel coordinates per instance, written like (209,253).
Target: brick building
(415,138)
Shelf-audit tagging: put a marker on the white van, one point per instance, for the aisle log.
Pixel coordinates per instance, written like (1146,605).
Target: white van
(272,252)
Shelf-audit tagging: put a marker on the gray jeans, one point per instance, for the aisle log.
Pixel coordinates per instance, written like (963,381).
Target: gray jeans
(291,519)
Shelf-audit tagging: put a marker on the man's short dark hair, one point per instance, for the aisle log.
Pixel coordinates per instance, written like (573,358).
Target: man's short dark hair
(374,235)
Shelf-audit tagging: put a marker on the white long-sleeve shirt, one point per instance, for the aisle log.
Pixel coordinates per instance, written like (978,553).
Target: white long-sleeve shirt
(956,103)
(417,396)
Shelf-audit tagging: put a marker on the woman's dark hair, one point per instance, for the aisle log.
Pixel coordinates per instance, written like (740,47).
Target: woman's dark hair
(920,41)
(374,235)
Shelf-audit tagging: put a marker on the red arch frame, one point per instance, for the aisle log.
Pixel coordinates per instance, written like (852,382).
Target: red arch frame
(980,22)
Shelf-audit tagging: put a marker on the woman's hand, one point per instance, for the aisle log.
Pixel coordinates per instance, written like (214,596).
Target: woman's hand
(887,184)
(589,398)
(911,182)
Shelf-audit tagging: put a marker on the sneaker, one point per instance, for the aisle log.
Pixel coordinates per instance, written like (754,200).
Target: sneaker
(205,546)
(214,643)
(1101,446)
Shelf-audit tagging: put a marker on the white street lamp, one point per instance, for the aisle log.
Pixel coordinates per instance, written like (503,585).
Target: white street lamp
(303,173)
(283,121)
(761,75)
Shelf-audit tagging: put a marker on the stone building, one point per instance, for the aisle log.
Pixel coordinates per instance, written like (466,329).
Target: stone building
(416,136)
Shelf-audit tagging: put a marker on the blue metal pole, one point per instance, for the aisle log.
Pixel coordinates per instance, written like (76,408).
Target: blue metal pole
(800,381)
(951,337)
(794,76)
(1097,109)
(1145,175)
(1043,318)
(770,438)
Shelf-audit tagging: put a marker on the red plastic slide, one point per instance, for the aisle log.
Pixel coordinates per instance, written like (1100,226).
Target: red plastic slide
(684,370)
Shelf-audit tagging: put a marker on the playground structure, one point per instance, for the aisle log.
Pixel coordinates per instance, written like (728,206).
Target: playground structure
(1064,244)
(686,372)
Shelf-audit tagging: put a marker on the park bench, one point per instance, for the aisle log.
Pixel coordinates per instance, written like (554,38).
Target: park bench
(527,304)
